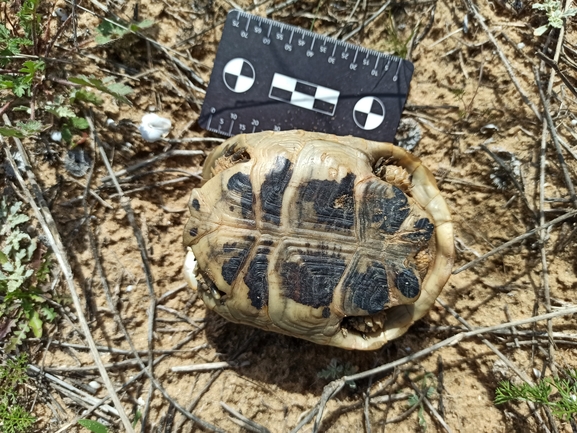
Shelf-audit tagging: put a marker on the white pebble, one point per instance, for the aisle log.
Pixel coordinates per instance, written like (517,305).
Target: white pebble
(110,123)
(129,288)
(140,401)
(520,45)
(536,373)
(153,127)
(94,385)
(56,136)
(61,13)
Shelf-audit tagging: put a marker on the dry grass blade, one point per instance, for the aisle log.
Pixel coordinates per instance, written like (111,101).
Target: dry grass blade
(423,397)
(516,240)
(244,421)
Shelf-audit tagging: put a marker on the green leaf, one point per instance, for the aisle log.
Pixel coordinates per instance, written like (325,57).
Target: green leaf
(66,134)
(9,131)
(116,90)
(79,123)
(36,324)
(30,67)
(3,258)
(49,313)
(144,24)
(61,111)
(21,129)
(85,96)
(93,426)
(119,89)
(539,31)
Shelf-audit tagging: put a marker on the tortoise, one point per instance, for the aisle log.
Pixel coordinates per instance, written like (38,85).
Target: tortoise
(337,240)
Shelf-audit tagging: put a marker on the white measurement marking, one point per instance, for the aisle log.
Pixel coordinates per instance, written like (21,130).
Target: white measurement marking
(396,77)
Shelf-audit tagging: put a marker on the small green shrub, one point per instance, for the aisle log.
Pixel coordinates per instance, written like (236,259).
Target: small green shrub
(24,267)
(558,394)
(336,369)
(555,15)
(14,418)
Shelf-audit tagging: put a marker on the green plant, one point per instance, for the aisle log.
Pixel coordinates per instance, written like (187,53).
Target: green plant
(555,15)
(24,77)
(394,42)
(93,426)
(428,390)
(336,369)
(24,266)
(109,30)
(14,418)
(558,394)
(96,427)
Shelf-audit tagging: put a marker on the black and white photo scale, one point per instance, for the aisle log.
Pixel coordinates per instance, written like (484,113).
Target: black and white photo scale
(273,76)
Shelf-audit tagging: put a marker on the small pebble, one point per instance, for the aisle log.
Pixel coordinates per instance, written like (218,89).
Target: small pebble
(110,123)
(520,45)
(60,13)
(94,385)
(489,128)
(129,288)
(56,136)
(153,127)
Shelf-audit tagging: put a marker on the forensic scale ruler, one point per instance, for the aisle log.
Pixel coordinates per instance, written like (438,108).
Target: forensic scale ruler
(272,76)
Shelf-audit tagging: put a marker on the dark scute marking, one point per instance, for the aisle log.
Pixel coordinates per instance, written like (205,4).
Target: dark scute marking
(231,267)
(423,233)
(407,283)
(195,204)
(256,279)
(273,189)
(333,201)
(369,290)
(267,242)
(312,280)
(326,312)
(193,231)
(240,183)
(395,211)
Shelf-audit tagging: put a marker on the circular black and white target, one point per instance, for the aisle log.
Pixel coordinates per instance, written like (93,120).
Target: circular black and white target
(238,75)
(369,113)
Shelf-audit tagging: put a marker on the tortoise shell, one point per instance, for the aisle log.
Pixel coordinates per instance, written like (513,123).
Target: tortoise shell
(337,240)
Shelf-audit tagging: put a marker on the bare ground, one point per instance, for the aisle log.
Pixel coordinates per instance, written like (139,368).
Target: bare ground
(463,82)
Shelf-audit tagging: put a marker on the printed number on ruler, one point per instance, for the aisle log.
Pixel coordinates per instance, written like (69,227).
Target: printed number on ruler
(272,76)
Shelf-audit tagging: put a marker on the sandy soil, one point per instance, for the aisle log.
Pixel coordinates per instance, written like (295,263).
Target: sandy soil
(460,85)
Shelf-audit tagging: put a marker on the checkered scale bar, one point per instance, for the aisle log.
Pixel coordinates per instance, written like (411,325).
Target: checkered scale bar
(304,94)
